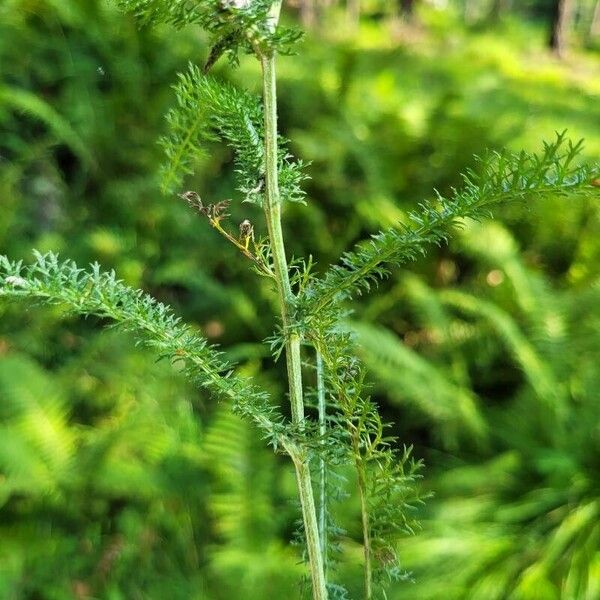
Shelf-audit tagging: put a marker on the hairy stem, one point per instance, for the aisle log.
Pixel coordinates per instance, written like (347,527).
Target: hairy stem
(322,411)
(272,208)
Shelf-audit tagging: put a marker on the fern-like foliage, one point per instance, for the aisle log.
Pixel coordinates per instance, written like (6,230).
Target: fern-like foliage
(414,380)
(241,499)
(541,378)
(210,110)
(36,107)
(523,522)
(235,25)
(352,433)
(502,177)
(38,446)
(242,504)
(95,292)
(386,477)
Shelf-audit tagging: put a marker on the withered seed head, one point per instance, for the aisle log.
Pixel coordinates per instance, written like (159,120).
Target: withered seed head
(219,210)
(246,229)
(193,199)
(212,211)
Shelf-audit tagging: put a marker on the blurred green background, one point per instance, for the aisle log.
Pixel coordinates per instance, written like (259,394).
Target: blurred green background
(118,480)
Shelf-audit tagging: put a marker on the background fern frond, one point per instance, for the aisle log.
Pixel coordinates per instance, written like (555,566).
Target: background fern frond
(242,498)
(24,101)
(38,445)
(411,379)
(540,376)
(243,504)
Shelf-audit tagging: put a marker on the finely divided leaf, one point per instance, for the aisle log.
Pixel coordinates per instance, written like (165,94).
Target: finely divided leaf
(502,177)
(208,109)
(96,292)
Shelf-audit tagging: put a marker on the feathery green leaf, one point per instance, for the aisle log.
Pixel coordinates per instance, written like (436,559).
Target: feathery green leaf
(233,24)
(208,109)
(502,177)
(95,292)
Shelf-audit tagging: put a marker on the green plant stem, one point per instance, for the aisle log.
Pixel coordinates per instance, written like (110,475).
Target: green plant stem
(311,531)
(364,509)
(272,208)
(322,412)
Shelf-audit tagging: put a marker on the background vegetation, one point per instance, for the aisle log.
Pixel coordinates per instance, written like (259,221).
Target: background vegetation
(120,481)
